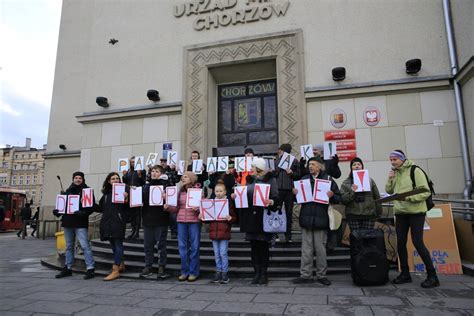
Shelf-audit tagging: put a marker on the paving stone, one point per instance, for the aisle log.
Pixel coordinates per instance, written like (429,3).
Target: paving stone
(103,290)
(55,288)
(58,308)
(402,292)
(461,303)
(175,304)
(18,293)
(285,298)
(457,293)
(216,288)
(13,313)
(259,308)
(327,310)
(117,310)
(146,285)
(444,285)
(54,296)
(327,290)
(9,303)
(196,313)
(110,300)
(262,290)
(221,297)
(419,311)
(14,286)
(365,300)
(158,294)
(469,284)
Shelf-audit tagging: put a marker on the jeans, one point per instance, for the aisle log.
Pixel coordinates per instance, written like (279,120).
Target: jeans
(220,255)
(117,249)
(152,236)
(81,234)
(189,238)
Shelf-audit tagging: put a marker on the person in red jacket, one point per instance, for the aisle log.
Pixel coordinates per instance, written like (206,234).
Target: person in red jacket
(219,233)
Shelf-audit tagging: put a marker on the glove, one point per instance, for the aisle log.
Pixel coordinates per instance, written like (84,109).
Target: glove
(56,213)
(335,159)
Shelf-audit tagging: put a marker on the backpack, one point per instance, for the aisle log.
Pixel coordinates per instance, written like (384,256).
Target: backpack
(429,200)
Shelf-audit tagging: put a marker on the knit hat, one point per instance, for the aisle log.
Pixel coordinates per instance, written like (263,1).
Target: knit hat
(319,147)
(398,154)
(317,159)
(357,159)
(248,150)
(78,173)
(286,148)
(259,163)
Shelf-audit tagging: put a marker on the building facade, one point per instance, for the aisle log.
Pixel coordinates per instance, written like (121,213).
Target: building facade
(23,168)
(254,73)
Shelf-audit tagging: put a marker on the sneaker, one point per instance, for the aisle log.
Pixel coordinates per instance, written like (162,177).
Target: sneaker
(217,277)
(301,280)
(430,282)
(90,273)
(65,272)
(225,278)
(162,275)
(324,281)
(402,278)
(146,272)
(182,278)
(192,278)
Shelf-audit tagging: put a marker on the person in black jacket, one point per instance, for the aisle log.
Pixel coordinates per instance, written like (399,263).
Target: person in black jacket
(34,221)
(155,225)
(25,214)
(251,220)
(314,222)
(76,225)
(113,223)
(330,165)
(134,178)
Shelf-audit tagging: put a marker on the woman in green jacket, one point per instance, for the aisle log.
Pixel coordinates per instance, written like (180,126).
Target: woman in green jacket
(361,209)
(410,214)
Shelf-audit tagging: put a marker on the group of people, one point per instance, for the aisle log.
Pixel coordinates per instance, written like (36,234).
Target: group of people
(25,215)
(361,211)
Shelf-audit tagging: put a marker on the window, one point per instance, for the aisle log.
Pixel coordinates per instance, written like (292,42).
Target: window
(15,167)
(25,167)
(21,180)
(14,180)
(35,179)
(29,156)
(33,195)
(16,156)
(5,164)
(3,180)
(28,179)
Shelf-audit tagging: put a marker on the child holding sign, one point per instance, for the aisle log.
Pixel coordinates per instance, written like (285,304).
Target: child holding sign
(219,233)
(76,224)
(113,223)
(361,209)
(155,221)
(189,229)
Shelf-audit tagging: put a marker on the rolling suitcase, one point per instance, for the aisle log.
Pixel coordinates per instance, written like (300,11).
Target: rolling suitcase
(369,265)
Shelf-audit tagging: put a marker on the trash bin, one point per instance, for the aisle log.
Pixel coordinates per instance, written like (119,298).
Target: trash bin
(60,242)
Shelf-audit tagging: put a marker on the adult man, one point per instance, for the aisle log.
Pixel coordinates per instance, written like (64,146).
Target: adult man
(134,178)
(195,155)
(314,222)
(285,181)
(331,165)
(25,214)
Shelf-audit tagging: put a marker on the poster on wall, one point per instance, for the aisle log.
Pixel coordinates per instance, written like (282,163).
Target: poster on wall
(345,143)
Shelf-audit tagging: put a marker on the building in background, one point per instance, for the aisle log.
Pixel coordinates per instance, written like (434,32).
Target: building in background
(23,168)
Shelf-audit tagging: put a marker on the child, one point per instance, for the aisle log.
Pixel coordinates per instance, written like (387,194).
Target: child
(219,233)
(155,225)
(113,223)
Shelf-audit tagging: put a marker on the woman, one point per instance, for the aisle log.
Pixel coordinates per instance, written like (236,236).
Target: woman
(76,225)
(251,220)
(410,214)
(361,209)
(189,230)
(113,223)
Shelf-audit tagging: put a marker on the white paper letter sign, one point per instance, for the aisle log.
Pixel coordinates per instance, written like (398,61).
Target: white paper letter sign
(221,207)
(241,199)
(87,197)
(136,196)
(61,203)
(306,152)
(248,163)
(193,198)
(362,180)
(123,164)
(239,164)
(261,193)
(72,203)
(223,164)
(156,195)
(211,164)
(197,166)
(305,193)
(172,158)
(181,167)
(118,190)
(207,210)
(151,160)
(321,188)
(172,196)
(139,163)
(270,162)
(329,150)
(286,161)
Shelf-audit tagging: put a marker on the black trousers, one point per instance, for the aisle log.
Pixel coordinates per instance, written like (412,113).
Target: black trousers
(260,253)
(415,223)
(287,199)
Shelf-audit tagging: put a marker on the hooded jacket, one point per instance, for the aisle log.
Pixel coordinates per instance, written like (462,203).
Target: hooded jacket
(114,218)
(154,216)
(402,183)
(360,203)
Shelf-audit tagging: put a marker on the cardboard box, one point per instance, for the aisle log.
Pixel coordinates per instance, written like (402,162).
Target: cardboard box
(465,236)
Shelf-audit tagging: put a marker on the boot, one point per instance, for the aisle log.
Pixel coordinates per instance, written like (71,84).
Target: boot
(431,280)
(115,274)
(90,273)
(256,278)
(263,276)
(122,266)
(404,277)
(65,272)
(217,277)
(162,275)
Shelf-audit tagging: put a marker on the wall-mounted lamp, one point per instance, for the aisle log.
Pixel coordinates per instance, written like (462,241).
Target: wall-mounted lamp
(413,66)
(62,146)
(102,101)
(338,73)
(153,95)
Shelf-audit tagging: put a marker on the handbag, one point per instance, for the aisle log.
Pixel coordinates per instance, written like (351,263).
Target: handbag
(335,218)
(274,222)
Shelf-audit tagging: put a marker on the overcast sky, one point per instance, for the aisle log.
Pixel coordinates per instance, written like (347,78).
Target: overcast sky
(28,43)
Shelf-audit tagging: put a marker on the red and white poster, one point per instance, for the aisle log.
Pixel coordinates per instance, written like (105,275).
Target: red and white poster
(345,143)
(362,180)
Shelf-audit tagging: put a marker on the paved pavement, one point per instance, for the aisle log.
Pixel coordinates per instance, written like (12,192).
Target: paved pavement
(29,289)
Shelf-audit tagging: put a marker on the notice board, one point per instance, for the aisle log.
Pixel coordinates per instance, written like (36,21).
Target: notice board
(440,239)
